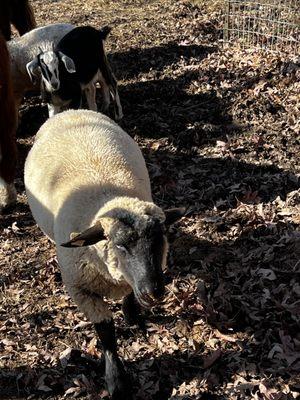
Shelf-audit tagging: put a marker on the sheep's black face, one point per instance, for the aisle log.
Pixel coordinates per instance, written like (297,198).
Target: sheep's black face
(142,252)
(141,247)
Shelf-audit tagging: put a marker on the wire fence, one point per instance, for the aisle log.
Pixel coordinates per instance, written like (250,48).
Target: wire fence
(270,24)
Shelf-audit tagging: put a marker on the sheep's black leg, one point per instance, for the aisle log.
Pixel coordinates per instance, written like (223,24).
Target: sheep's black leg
(132,311)
(115,376)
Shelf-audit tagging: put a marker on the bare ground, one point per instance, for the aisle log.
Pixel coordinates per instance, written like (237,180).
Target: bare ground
(220,132)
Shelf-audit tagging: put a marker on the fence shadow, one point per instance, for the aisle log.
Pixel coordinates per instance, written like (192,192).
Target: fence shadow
(131,63)
(207,182)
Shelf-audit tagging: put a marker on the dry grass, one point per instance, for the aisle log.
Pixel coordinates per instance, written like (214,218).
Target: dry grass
(210,5)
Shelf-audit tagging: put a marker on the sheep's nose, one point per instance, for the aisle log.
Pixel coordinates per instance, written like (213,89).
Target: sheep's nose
(153,292)
(158,290)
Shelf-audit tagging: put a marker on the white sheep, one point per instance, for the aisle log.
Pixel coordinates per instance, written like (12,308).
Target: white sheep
(85,174)
(25,48)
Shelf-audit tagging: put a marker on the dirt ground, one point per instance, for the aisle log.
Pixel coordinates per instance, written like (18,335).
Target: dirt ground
(219,128)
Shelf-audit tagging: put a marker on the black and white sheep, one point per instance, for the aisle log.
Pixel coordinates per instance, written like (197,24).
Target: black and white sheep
(78,58)
(25,48)
(85,174)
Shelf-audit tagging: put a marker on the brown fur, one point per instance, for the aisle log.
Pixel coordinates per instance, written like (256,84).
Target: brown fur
(8,118)
(16,12)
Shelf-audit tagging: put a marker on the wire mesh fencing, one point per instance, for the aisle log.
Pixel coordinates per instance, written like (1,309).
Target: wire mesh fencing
(269,24)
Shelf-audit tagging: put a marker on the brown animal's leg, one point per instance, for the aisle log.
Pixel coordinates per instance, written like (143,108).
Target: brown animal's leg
(116,379)
(8,121)
(5,19)
(8,194)
(22,16)
(8,160)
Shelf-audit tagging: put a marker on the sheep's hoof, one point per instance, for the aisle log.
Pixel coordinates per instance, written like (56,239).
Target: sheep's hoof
(131,319)
(118,384)
(121,395)
(137,321)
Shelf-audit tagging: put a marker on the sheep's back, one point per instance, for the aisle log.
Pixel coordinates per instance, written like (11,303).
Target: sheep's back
(80,160)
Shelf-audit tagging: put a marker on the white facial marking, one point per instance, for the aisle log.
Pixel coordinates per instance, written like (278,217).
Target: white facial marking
(49,65)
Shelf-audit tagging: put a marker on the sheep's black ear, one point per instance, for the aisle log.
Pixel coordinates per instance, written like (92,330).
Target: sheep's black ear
(104,32)
(86,238)
(68,63)
(173,215)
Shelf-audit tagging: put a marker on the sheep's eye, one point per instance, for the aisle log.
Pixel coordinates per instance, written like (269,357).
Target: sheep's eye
(121,248)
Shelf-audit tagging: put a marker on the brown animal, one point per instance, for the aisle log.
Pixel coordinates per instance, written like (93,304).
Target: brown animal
(16,12)
(8,123)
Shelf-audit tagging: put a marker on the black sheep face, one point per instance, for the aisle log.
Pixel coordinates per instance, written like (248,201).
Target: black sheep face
(141,247)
